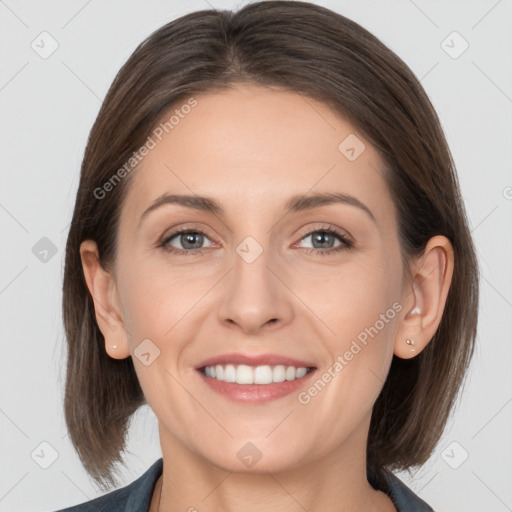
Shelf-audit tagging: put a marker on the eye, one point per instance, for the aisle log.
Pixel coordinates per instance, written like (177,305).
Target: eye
(190,239)
(324,239)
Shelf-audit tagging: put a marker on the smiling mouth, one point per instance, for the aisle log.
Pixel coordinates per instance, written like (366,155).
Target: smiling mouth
(264,375)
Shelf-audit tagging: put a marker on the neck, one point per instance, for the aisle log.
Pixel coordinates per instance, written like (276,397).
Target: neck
(336,481)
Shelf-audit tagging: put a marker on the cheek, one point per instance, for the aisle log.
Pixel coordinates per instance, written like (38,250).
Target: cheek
(369,310)
(360,297)
(156,298)
(158,303)
(363,316)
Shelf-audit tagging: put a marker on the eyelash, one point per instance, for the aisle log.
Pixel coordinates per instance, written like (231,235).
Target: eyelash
(346,243)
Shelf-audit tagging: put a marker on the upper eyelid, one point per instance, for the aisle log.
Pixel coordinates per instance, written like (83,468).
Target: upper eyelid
(326,227)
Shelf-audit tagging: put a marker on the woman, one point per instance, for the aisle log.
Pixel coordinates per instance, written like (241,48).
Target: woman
(269,248)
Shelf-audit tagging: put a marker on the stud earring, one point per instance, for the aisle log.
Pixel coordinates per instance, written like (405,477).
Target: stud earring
(114,346)
(410,343)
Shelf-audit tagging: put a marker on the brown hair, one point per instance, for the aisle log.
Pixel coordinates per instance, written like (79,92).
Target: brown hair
(310,50)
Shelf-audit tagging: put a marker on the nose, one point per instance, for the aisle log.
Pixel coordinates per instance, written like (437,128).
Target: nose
(256,297)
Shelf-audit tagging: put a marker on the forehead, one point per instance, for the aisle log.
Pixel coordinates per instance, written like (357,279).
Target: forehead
(255,145)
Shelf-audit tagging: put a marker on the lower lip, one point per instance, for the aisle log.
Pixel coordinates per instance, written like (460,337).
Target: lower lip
(255,393)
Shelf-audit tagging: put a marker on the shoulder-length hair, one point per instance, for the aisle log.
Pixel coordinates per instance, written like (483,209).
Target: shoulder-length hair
(310,50)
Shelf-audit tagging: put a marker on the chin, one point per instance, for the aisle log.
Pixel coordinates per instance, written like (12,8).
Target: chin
(256,457)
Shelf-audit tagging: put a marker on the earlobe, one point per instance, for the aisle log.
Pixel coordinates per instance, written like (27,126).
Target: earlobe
(101,285)
(427,298)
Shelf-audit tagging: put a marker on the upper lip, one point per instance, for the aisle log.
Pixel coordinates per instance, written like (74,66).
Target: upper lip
(259,360)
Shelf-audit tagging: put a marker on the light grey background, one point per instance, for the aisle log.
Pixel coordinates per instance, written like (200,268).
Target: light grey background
(47,109)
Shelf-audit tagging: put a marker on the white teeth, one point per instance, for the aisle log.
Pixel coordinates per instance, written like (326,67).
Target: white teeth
(230,373)
(279,373)
(300,372)
(262,375)
(244,374)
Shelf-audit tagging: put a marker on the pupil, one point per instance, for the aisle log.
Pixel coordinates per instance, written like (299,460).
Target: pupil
(321,237)
(189,239)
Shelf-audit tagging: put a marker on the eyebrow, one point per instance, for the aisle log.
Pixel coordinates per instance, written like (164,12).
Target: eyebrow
(294,204)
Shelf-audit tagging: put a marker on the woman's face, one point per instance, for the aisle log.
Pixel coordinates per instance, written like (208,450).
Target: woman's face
(258,287)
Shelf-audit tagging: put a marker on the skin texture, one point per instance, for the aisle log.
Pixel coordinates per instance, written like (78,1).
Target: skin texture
(251,149)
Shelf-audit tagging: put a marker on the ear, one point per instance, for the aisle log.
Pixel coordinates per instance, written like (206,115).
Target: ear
(107,307)
(432,276)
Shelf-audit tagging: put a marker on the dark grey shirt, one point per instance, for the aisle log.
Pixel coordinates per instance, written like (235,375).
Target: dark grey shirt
(136,497)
